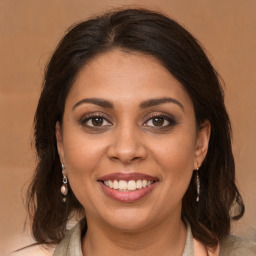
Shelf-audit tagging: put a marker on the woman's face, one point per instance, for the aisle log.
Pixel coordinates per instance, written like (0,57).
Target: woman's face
(129,141)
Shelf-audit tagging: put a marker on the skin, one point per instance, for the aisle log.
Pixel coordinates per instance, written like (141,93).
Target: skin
(128,140)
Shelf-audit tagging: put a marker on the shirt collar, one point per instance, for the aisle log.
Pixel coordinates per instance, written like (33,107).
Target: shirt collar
(71,243)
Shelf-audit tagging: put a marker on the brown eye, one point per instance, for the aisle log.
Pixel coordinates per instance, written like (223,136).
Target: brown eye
(97,121)
(158,121)
(94,121)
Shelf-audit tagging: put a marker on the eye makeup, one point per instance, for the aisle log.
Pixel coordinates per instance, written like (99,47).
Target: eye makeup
(160,120)
(95,120)
(100,121)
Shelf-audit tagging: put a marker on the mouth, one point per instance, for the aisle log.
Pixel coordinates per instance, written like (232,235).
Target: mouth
(127,187)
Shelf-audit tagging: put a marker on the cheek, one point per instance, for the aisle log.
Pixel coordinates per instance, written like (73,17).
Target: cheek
(82,153)
(83,158)
(176,155)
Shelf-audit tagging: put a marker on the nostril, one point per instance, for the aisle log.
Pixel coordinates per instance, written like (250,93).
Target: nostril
(127,149)
(127,157)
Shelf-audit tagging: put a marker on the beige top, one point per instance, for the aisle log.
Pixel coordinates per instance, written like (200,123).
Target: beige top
(71,244)
(231,246)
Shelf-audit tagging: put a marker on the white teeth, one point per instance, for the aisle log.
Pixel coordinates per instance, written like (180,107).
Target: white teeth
(139,184)
(122,184)
(115,184)
(130,185)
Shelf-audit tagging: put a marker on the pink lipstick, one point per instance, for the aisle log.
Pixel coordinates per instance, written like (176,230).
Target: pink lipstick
(127,176)
(127,187)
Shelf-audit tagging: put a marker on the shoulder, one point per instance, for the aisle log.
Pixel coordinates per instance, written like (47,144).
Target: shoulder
(71,243)
(236,246)
(33,250)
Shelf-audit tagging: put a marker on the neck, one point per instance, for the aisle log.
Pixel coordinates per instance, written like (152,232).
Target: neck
(166,238)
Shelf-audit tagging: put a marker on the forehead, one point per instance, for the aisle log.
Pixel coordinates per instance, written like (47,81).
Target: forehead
(126,77)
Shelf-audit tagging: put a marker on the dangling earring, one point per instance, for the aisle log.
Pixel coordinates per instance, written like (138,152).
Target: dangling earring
(64,187)
(197,186)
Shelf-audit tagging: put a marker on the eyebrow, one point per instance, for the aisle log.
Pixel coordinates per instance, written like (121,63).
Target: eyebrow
(100,102)
(159,101)
(145,104)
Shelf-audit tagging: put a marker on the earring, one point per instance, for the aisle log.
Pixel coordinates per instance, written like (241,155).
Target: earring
(64,187)
(197,185)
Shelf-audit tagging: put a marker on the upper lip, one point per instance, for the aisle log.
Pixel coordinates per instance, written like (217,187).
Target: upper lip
(127,176)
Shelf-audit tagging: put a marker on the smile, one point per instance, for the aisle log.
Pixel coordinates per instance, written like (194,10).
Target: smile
(125,186)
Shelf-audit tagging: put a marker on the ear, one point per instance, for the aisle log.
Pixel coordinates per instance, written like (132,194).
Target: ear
(59,139)
(202,143)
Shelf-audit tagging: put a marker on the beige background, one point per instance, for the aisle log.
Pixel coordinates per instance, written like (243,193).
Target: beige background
(30,30)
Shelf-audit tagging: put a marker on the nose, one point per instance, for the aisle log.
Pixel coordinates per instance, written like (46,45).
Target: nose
(127,146)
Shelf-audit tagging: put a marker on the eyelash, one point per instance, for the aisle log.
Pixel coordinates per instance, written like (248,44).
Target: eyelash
(92,116)
(167,118)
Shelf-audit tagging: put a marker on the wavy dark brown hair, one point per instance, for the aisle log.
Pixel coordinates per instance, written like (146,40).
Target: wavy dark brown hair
(151,33)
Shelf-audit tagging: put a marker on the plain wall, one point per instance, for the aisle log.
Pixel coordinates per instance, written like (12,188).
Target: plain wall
(29,32)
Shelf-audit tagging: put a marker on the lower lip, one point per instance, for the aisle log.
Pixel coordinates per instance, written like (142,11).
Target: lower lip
(129,196)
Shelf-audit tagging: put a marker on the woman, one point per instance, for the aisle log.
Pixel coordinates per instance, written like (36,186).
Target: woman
(132,135)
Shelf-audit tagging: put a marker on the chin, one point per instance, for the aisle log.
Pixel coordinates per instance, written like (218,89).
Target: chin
(129,220)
